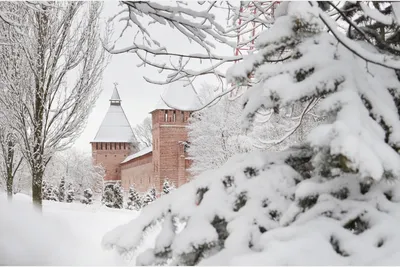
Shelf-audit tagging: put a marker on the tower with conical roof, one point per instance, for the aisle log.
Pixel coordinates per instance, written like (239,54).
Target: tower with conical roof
(169,120)
(114,140)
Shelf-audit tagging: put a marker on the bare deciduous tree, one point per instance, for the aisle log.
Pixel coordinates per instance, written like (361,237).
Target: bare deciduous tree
(200,25)
(64,61)
(11,18)
(143,133)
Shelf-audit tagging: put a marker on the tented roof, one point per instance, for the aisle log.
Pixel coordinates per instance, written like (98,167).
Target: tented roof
(115,95)
(115,126)
(179,95)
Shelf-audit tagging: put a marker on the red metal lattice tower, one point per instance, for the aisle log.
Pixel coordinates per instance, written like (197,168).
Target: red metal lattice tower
(254,28)
(248,33)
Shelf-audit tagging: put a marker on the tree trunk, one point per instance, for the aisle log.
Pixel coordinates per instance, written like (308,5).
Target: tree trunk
(9,166)
(37,161)
(37,179)
(9,184)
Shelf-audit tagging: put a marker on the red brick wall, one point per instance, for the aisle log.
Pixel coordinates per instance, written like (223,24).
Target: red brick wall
(109,155)
(168,154)
(138,171)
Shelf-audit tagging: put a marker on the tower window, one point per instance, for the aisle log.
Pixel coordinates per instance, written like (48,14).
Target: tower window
(106,146)
(97,146)
(183,116)
(119,145)
(166,115)
(174,116)
(101,146)
(124,146)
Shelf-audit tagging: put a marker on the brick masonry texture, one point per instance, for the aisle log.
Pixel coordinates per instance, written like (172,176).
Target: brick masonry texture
(166,161)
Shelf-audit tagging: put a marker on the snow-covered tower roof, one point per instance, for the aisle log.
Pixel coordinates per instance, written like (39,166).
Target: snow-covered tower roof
(179,95)
(115,126)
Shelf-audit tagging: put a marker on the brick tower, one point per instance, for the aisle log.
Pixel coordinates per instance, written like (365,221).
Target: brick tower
(170,133)
(114,140)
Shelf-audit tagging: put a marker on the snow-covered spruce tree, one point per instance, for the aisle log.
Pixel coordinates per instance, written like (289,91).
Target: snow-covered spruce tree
(108,196)
(167,187)
(70,196)
(149,197)
(134,200)
(87,197)
(70,193)
(118,196)
(61,190)
(330,198)
(51,192)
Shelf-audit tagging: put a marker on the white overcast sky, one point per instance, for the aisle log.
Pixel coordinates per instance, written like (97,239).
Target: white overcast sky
(138,96)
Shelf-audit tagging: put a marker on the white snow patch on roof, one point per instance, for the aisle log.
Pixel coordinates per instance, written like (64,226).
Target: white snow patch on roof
(115,127)
(180,95)
(142,152)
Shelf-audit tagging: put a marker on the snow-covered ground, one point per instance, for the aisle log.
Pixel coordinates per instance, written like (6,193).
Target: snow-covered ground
(66,234)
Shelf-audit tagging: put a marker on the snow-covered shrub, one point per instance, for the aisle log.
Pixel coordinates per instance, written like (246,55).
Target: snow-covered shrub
(70,195)
(149,197)
(87,196)
(118,196)
(51,192)
(330,201)
(167,187)
(108,196)
(61,190)
(134,201)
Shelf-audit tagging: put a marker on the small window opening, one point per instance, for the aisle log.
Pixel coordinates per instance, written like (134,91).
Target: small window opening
(101,146)
(166,115)
(174,116)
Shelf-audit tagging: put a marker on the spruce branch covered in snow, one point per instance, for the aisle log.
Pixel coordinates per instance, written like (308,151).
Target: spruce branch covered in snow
(263,208)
